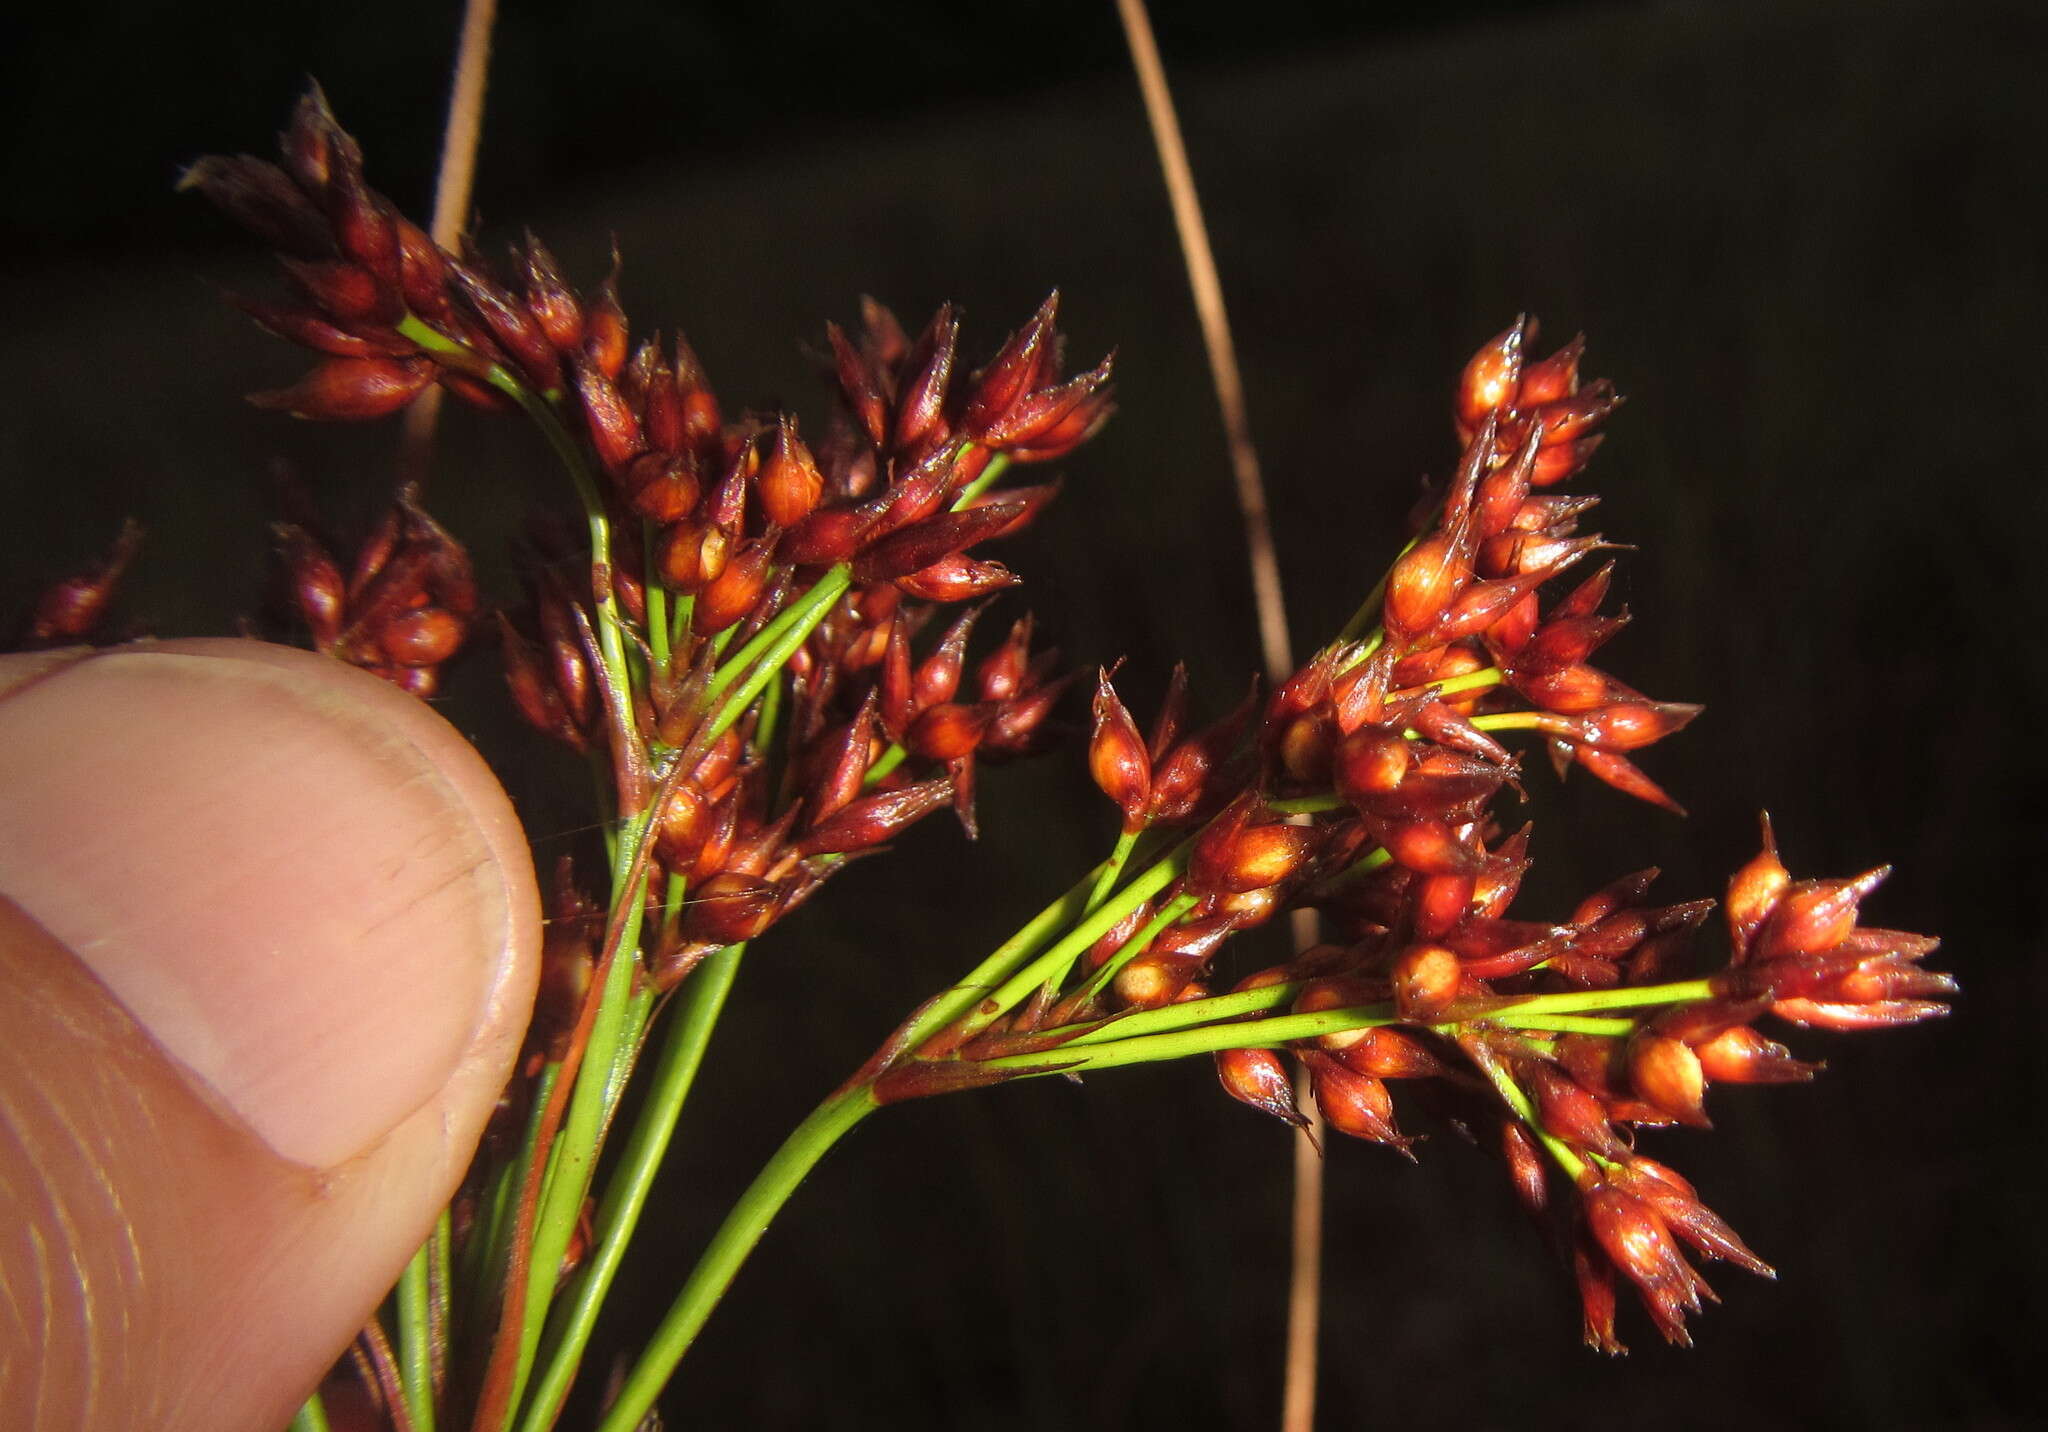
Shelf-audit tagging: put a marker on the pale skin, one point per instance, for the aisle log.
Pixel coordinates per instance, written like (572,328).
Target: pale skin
(268,936)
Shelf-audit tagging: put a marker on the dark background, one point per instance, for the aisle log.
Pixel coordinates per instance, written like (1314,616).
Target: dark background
(1805,239)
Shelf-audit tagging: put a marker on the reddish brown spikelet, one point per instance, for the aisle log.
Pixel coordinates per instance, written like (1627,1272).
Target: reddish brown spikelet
(692,555)
(731,907)
(789,482)
(859,384)
(663,487)
(828,535)
(874,819)
(605,338)
(1036,418)
(350,295)
(1850,1016)
(1000,675)
(937,677)
(509,322)
(1116,754)
(1595,1278)
(364,228)
(733,592)
(607,417)
(1754,892)
(1370,764)
(1743,1056)
(1628,725)
(844,757)
(69,610)
(1081,423)
(1526,1165)
(314,330)
(924,543)
(1639,1244)
(1354,1104)
(1547,379)
(920,408)
(263,199)
(1012,371)
(1569,1110)
(1333,992)
(351,389)
(1386,1053)
(1814,916)
(948,730)
(1428,847)
(550,300)
(1625,776)
(568,663)
(1677,1203)
(1181,777)
(423,272)
(532,693)
(1493,376)
(1422,586)
(1258,1077)
(424,636)
(1234,855)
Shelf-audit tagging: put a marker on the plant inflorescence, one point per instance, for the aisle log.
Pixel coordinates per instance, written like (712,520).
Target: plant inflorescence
(764,638)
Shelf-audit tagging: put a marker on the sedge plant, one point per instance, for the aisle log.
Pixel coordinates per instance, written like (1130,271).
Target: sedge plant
(762,636)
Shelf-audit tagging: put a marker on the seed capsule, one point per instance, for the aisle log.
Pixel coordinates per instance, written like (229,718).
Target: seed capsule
(424,636)
(1356,1104)
(1743,1056)
(1257,1077)
(789,482)
(1426,980)
(1116,754)
(1666,1073)
(351,389)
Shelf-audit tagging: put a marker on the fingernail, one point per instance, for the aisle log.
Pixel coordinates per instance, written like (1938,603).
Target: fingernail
(304,885)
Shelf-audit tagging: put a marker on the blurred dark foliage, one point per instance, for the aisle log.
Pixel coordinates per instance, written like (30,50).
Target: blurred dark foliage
(1805,239)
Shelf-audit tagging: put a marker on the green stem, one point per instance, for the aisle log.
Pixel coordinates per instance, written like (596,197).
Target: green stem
(728,1250)
(610,636)
(1194,1012)
(495,1247)
(888,761)
(1113,867)
(1564,1023)
(440,1294)
(1620,997)
(1003,961)
(988,479)
(638,1006)
(575,1154)
(657,618)
(311,1416)
(1078,1058)
(703,997)
(1517,1098)
(802,619)
(826,591)
(416,1339)
(1135,946)
(1471,681)
(1052,966)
